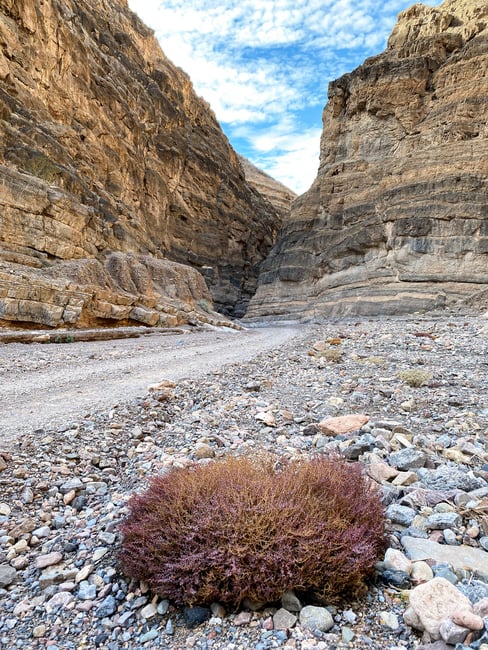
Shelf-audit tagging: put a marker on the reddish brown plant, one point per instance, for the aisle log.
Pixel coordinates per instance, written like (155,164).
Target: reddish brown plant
(242,527)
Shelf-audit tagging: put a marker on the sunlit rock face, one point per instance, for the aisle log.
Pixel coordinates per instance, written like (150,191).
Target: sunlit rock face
(106,149)
(397,219)
(280,196)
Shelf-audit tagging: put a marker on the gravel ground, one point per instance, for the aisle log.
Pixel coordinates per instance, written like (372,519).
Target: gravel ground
(64,487)
(49,384)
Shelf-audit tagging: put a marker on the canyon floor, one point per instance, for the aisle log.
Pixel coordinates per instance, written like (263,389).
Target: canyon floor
(46,385)
(81,432)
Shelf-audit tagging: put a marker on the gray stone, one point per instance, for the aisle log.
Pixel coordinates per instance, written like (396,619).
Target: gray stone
(410,458)
(72,484)
(7,575)
(150,635)
(452,633)
(107,607)
(443,520)
(316,618)
(450,537)
(283,619)
(475,590)
(87,591)
(290,601)
(402,515)
(459,557)
(163,607)
(449,478)
(443,570)
(194,616)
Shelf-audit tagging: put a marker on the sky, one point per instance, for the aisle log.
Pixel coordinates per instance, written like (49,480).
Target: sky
(264,66)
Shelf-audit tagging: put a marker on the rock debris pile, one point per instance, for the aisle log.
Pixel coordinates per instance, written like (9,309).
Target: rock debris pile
(339,386)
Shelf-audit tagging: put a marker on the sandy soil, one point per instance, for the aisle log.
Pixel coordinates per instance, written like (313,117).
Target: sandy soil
(48,386)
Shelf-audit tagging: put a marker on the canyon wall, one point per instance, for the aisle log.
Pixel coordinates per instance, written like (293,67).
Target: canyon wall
(113,175)
(397,218)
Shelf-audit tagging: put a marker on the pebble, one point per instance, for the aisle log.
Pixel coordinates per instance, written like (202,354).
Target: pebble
(64,491)
(316,618)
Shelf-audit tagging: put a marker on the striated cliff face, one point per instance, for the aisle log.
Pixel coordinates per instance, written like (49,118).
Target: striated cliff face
(397,218)
(108,160)
(280,196)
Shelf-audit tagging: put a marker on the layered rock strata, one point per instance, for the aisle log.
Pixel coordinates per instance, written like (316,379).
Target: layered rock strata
(104,149)
(396,220)
(280,196)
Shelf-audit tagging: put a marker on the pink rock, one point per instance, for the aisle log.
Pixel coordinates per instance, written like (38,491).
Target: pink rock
(243,618)
(468,619)
(437,600)
(380,471)
(343,424)
(48,560)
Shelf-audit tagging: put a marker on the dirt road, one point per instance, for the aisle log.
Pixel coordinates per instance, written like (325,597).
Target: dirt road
(44,386)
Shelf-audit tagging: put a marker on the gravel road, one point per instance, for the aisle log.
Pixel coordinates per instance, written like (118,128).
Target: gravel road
(48,385)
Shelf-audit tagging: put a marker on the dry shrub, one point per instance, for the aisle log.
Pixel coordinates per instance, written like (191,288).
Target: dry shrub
(331,354)
(242,527)
(415,377)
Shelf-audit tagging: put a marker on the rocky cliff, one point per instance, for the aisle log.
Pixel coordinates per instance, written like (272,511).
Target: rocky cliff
(397,218)
(113,174)
(280,196)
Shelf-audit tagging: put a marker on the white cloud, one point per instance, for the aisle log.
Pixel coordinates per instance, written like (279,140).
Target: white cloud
(264,66)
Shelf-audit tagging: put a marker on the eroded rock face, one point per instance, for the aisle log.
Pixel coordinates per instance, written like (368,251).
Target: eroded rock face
(104,147)
(280,196)
(397,219)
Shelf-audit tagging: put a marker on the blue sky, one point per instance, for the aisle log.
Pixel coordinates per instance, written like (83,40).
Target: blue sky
(264,66)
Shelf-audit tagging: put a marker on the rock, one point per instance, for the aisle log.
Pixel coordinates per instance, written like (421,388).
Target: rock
(459,557)
(449,478)
(194,616)
(452,633)
(61,599)
(39,631)
(380,471)
(86,247)
(107,607)
(72,484)
(443,570)
(406,459)
(421,572)
(342,424)
(480,607)
(243,618)
(290,602)
(347,634)
(396,578)
(316,618)
(7,575)
(437,645)
(275,192)
(400,514)
(50,559)
(396,560)
(22,528)
(283,619)
(443,520)
(149,611)
(204,451)
(389,619)
(437,600)
(354,246)
(267,418)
